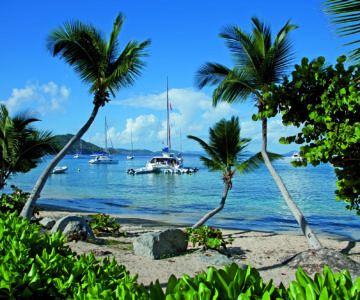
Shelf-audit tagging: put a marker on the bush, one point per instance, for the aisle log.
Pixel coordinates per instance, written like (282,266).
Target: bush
(42,267)
(102,223)
(207,237)
(15,201)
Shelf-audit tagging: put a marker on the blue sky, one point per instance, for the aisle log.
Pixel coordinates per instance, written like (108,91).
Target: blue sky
(184,35)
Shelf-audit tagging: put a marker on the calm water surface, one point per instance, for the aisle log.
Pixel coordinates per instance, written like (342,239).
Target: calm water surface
(254,202)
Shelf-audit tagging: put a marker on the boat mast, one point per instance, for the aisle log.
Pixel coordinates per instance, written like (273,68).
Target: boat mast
(168,116)
(132,150)
(106,148)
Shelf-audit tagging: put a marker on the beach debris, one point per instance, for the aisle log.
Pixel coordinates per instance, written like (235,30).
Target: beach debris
(47,222)
(74,228)
(98,252)
(170,242)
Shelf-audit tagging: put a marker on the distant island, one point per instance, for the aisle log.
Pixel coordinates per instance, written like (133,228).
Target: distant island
(89,148)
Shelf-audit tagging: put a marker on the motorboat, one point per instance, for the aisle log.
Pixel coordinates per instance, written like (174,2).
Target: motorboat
(103,158)
(59,170)
(296,156)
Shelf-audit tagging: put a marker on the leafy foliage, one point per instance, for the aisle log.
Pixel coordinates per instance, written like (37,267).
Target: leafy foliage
(324,102)
(207,237)
(42,267)
(345,14)
(15,201)
(101,223)
(21,146)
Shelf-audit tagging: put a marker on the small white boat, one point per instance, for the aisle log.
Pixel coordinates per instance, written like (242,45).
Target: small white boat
(59,170)
(130,156)
(296,156)
(103,159)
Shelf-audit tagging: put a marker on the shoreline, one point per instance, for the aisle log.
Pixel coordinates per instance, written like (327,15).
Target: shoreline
(149,221)
(270,253)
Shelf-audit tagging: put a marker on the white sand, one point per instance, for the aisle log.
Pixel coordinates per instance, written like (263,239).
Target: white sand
(265,251)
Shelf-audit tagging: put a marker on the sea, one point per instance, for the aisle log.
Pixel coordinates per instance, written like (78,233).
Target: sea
(253,203)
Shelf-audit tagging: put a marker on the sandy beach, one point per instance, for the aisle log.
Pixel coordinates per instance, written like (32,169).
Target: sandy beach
(274,255)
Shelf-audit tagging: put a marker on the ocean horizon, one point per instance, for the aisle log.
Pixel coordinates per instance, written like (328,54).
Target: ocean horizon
(253,203)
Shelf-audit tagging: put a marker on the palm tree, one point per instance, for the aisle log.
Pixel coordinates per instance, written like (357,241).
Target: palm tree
(100,64)
(22,147)
(259,62)
(346,15)
(226,151)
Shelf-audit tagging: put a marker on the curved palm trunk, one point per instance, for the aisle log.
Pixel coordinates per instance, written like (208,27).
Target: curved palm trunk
(203,220)
(308,233)
(30,203)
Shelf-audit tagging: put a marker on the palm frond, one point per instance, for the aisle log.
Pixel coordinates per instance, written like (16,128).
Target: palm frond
(210,74)
(126,68)
(346,15)
(236,87)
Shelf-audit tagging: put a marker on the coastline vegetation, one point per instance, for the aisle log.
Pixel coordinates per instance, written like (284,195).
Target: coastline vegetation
(259,62)
(34,266)
(100,64)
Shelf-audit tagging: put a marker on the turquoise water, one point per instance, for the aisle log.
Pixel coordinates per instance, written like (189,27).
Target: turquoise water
(254,202)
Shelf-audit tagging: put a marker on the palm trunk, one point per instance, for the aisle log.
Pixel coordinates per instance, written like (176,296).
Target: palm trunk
(308,233)
(215,211)
(30,203)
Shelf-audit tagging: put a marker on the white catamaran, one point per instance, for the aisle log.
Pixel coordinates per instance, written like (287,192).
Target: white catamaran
(167,162)
(103,157)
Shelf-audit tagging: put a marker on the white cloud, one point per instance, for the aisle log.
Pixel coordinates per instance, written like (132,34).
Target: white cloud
(39,99)
(192,113)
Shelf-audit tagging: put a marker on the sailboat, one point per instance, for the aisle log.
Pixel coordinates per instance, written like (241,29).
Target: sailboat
(103,157)
(131,155)
(78,155)
(167,162)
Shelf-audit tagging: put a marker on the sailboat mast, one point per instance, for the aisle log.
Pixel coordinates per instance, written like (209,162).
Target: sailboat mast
(168,116)
(106,148)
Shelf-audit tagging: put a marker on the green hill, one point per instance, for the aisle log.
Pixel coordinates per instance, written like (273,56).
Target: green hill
(87,148)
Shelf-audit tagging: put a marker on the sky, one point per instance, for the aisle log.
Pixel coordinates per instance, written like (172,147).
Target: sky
(184,35)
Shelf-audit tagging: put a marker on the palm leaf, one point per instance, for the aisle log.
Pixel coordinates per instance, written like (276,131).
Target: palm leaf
(346,15)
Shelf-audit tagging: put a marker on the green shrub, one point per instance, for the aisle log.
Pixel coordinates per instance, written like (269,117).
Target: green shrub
(102,223)
(34,266)
(15,201)
(207,237)
(42,267)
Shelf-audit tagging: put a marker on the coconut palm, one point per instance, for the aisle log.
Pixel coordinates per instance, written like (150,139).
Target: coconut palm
(21,146)
(346,15)
(259,62)
(226,153)
(101,65)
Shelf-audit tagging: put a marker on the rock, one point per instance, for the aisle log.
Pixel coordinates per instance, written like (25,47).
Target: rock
(170,242)
(313,261)
(74,228)
(216,258)
(47,222)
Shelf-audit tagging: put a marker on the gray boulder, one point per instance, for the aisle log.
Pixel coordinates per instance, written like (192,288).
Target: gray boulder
(74,228)
(170,242)
(47,222)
